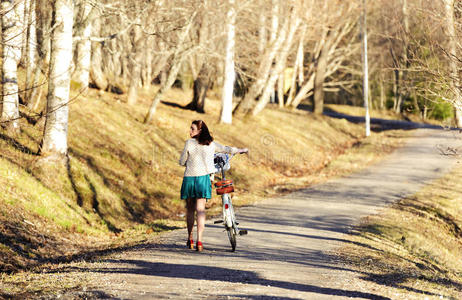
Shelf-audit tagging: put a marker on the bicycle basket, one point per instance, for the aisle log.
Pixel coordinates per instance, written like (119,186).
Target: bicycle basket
(221,158)
(224,187)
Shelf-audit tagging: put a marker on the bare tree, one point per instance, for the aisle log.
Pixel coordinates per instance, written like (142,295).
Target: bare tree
(229,72)
(12,39)
(83,44)
(454,62)
(55,131)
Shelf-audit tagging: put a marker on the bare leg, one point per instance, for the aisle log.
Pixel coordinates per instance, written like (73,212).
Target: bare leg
(190,210)
(200,209)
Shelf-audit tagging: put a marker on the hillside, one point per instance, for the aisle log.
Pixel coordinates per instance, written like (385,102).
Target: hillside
(122,180)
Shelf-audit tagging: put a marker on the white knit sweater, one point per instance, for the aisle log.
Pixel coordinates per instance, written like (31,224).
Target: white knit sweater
(198,159)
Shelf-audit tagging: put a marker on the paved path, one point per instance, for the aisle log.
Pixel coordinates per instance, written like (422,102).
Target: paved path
(286,254)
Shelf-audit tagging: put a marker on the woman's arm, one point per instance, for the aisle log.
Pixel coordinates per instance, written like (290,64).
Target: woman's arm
(228,149)
(184,155)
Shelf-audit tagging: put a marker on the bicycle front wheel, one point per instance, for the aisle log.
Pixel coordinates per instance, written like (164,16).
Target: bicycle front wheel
(232,237)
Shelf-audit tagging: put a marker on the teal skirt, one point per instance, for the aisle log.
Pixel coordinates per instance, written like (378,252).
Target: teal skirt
(196,187)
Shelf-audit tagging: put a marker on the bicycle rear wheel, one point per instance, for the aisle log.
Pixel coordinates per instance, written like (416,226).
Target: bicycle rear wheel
(232,237)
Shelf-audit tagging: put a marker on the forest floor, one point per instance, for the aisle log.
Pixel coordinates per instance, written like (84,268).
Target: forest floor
(303,245)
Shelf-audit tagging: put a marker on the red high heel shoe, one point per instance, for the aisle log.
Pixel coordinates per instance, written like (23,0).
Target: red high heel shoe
(199,246)
(190,244)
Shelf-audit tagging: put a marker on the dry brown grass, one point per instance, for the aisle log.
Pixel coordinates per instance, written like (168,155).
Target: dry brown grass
(414,246)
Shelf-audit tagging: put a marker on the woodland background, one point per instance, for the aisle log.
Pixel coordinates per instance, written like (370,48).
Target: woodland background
(254,52)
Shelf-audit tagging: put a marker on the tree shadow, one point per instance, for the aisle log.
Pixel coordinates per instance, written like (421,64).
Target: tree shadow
(94,197)
(17,145)
(112,180)
(211,273)
(377,124)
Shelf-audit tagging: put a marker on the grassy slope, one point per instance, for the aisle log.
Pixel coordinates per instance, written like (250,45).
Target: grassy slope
(122,180)
(415,246)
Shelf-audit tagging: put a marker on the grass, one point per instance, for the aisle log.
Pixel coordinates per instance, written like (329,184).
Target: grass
(414,247)
(121,184)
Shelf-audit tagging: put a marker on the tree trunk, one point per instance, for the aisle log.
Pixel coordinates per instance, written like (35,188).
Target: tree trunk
(262,31)
(96,71)
(399,94)
(319,77)
(147,70)
(42,20)
(200,88)
(274,20)
(83,47)
(55,132)
(226,114)
(298,69)
(263,72)
(453,60)
(305,91)
(30,56)
(382,94)
(12,38)
(280,63)
(280,85)
(135,77)
(396,94)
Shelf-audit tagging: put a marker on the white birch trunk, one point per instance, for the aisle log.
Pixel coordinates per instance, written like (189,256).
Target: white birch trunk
(21,8)
(298,68)
(12,39)
(32,37)
(96,73)
(31,55)
(229,76)
(453,62)
(365,69)
(263,72)
(274,20)
(136,61)
(55,133)
(280,87)
(262,32)
(83,47)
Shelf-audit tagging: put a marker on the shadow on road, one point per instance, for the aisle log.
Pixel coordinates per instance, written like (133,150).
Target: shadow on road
(141,267)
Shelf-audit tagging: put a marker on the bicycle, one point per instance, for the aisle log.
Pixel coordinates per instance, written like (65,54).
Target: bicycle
(224,187)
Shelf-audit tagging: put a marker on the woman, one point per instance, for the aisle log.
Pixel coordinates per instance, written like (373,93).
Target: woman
(196,188)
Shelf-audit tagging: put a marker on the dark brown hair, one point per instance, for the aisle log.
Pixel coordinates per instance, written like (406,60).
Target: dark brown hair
(204,137)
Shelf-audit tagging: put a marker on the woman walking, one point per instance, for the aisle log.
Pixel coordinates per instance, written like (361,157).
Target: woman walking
(196,188)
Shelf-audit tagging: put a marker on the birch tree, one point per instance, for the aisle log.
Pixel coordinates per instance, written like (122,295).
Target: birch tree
(56,124)
(178,57)
(11,55)
(230,75)
(280,61)
(83,44)
(42,21)
(31,53)
(454,62)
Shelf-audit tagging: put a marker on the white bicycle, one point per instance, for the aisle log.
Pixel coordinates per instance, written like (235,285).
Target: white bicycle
(225,187)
